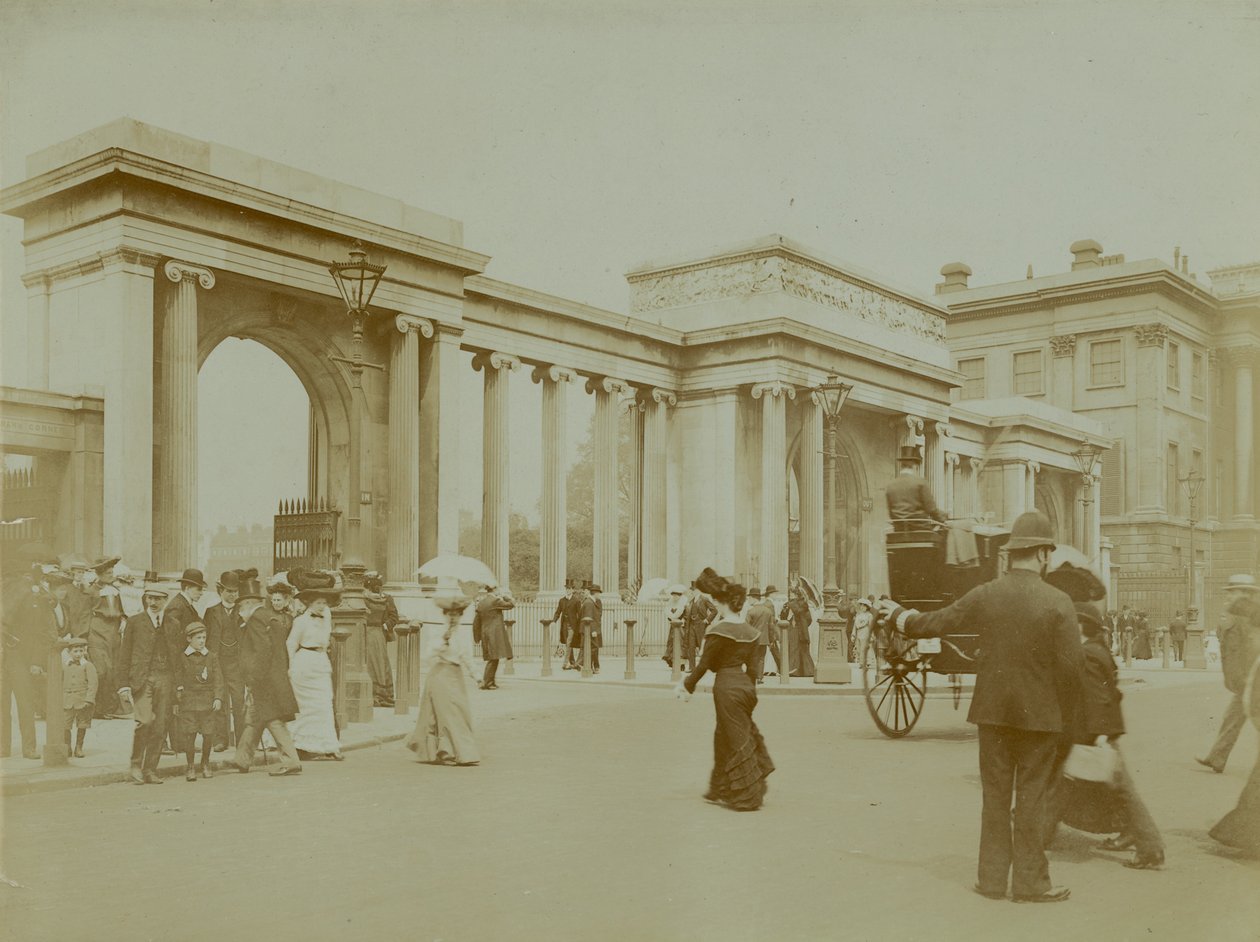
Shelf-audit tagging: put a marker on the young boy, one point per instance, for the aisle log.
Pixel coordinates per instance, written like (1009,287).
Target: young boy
(198,698)
(78,692)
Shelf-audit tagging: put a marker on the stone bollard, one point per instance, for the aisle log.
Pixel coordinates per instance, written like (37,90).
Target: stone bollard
(785,653)
(629,675)
(586,648)
(676,634)
(1163,648)
(56,752)
(546,646)
(407,635)
(510,669)
(340,633)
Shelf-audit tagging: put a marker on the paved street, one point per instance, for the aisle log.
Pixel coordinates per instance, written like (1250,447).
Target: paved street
(585,821)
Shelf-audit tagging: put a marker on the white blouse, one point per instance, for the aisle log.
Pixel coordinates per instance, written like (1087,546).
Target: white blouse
(310,631)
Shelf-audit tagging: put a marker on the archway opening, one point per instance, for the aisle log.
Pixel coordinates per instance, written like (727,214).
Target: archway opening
(253,451)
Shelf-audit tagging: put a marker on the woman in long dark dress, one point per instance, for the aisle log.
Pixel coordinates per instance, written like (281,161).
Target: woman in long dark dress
(740,760)
(1241,827)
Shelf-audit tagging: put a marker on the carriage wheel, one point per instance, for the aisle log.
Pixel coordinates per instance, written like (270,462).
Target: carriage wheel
(895,690)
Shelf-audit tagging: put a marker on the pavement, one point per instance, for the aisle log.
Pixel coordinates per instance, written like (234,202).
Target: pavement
(584,820)
(108,744)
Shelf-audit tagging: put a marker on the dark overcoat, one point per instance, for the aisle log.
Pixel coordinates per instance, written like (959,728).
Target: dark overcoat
(568,616)
(176,617)
(1100,694)
(1030,659)
(225,630)
(910,498)
(265,664)
(135,659)
(591,609)
(488,628)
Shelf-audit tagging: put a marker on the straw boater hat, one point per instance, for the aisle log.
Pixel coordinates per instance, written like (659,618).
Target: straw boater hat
(1242,582)
(151,586)
(72,642)
(104,562)
(864,601)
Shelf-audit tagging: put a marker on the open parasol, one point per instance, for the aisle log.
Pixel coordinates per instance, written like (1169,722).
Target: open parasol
(653,590)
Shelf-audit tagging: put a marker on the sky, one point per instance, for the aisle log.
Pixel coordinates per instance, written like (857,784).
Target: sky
(578,140)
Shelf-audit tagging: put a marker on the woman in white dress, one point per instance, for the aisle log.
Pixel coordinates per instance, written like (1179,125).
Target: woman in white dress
(443,733)
(314,730)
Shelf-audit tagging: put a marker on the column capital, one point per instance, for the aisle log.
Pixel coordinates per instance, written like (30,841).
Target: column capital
(1031,464)
(552,374)
(606,384)
(1063,345)
(977,464)
(774,389)
(911,424)
(1151,335)
(953,458)
(409,322)
(943,429)
(494,360)
(177,271)
(660,396)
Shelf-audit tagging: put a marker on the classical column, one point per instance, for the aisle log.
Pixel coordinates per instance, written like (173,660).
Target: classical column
(811,490)
(553,541)
(441,366)
(496,476)
(1030,484)
(176,493)
(1243,361)
(1063,380)
(1151,444)
(655,459)
(935,439)
(774,499)
(402,557)
(634,484)
(947,494)
(975,499)
(605,543)
(38,289)
(909,431)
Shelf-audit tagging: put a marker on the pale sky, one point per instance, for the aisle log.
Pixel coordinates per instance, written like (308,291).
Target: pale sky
(576,140)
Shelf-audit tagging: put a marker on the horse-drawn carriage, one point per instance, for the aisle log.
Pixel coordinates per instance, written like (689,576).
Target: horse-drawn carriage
(895,668)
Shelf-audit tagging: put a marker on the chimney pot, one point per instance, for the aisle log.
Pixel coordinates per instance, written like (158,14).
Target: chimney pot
(1086,253)
(955,275)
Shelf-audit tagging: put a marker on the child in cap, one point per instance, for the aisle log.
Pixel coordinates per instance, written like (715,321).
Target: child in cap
(78,692)
(198,698)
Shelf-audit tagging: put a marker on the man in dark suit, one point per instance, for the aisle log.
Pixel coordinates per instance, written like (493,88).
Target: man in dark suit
(1027,691)
(1177,631)
(566,619)
(908,496)
(146,674)
(224,630)
(270,702)
(591,618)
(29,630)
(760,617)
(490,632)
(697,614)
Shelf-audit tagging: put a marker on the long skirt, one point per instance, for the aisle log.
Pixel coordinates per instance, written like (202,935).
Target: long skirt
(444,726)
(313,729)
(740,760)
(802,659)
(1241,827)
(378,667)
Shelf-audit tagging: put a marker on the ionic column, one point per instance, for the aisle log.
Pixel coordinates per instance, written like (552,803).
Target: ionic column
(1030,484)
(442,365)
(605,541)
(653,560)
(38,288)
(909,431)
(951,468)
(496,475)
(634,483)
(774,508)
(402,553)
(553,542)
(813,533)
(934,457)
(1244,417)
(177,481)
(975,499)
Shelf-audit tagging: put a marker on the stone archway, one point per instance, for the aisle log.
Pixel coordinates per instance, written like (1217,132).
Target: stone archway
(851,518)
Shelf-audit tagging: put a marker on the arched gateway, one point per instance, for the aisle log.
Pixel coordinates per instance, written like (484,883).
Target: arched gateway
(146,249)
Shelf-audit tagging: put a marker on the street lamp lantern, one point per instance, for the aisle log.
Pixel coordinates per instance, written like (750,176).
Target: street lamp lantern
(1192,483)
(1086,458)
(357,280)
(834,394)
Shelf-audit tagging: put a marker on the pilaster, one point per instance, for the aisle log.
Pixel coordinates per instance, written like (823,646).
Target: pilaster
(605,562)
(1063,379)
(1151,443)
(496,368)
(402,557)
(774,498)
(441,366)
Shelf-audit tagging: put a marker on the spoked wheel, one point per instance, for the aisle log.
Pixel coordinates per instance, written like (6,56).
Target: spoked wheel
(895,689)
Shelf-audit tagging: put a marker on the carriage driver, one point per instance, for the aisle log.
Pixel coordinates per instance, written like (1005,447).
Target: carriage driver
(908,495)
(1027,684)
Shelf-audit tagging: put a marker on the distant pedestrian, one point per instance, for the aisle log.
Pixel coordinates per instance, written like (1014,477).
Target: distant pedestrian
(797,614)
(1240,647)
(1142,639)
(382,616)
(1241,827)
(490,632)
(591,618)
(772,599)
(675,613)
(760,617)
(147,678)
(698,612)
(443,732)
(1177,635)
(198,699)
(224,630)
(79,685)
(314,729)
(862,629)
(269,702)
(741,763)
(103,633)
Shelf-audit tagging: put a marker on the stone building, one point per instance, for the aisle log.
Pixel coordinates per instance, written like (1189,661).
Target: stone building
(1164,363)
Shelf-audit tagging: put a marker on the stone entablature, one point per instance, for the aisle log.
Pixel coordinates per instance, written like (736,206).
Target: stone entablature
(776,267)
(1236,281)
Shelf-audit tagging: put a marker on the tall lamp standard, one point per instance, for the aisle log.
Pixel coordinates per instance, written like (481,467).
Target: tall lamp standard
(1192,483)
(357,280)
(831,396)
(1086,458)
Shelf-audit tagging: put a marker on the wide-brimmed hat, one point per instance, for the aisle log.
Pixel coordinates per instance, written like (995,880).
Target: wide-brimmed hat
(754,593)
(315,584)
(1243,582)
(1031,530)
(193,628)
(864,601)
(57,577)
(908,454)
(193,577)
(770,589)
(104,562)
(1088,616)
(373,580)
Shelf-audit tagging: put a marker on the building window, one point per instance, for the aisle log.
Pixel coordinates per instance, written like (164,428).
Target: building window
(1028,373)
(1174,365)
(1106,365)
(1173,470)
(972,370)
(1198,383)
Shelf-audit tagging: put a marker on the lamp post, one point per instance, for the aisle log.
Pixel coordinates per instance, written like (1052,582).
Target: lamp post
(831,397)
(1086,458)
(357,281)
(1192,483)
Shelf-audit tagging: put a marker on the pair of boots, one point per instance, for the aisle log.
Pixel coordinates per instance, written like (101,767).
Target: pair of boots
(191,754)
(80,735)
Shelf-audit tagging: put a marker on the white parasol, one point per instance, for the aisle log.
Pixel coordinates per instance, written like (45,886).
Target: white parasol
(653,590)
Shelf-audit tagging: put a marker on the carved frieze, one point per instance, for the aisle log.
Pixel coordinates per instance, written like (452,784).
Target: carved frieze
(1063,345)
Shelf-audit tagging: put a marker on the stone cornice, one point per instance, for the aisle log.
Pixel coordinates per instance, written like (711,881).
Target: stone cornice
(494,360)
(773,389)
(1163,282)
(91,264)
(404,323)
(16,198)
(177,271)
(1245,355)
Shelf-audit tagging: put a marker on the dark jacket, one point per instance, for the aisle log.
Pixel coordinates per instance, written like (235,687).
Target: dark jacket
(1100,694)
(177,616)
(592,610)
(488,628)
(382,613)
(224,632)
(568,612)
(198,681)
(909,498)
(265,665)
(1030,660)
(140,643)
(761,618)
(1240,643)
(698,615)
(30,624)
(1177,629)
